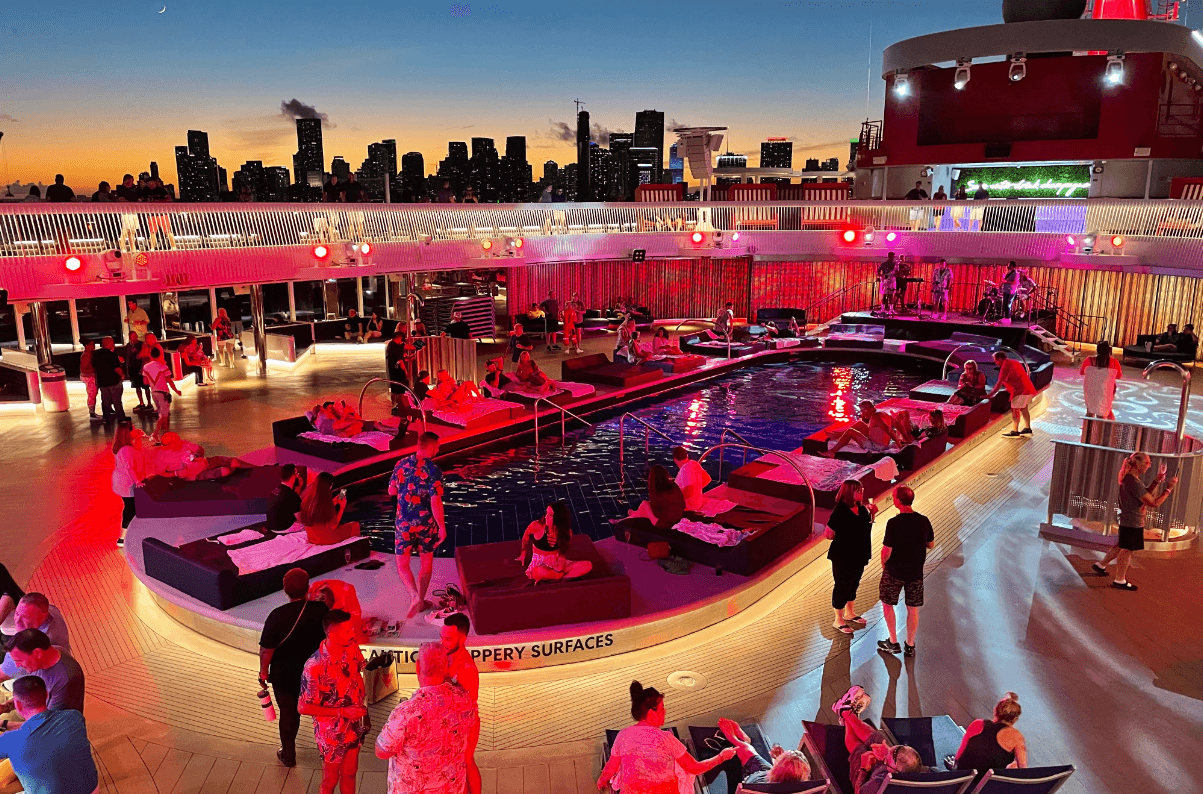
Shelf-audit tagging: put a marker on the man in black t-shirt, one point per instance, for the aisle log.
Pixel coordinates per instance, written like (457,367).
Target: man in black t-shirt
(353,327)
(59,192)
(457,328)
(903,552)
(291,634)
(353,190)
(917,193)
(286,500)
(519,343)
(110,372)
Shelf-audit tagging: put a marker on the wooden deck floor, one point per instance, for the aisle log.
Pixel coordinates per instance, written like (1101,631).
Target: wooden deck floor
(1104,676)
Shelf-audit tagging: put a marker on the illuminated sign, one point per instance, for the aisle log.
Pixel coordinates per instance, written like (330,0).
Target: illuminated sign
(1038,181)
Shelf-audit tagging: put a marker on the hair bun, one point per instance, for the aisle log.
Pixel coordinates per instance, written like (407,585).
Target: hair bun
(1012,696)
(636,690)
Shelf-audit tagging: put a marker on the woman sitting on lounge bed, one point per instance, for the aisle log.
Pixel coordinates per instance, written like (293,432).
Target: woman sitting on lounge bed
(665,503)
(874,431)
(663,345)
(530,374)
(543,544)
(322,511)
(971,387)
(449,395)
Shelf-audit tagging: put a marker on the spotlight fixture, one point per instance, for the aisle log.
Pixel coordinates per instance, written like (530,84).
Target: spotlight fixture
(517,243)
(735,237)
(849,236)
(1019,68)
(960,78)
(365,249)
(486,244)
(320,252)
(73,264)
(902,84)
(1113,73)
(1070,240)
(1117,241)
(1173,66)
(697,237)
(891,236)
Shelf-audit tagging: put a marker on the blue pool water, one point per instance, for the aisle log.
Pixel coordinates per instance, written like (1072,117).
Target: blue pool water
(492,495)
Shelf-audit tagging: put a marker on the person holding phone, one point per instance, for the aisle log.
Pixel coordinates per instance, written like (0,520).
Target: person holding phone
(850,530)
(322,511)
(332,692)
(1134,499)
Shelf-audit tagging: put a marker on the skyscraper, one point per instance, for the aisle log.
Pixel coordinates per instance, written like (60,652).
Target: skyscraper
(455,168)
(551,173)
(644,167)
(600,165)
(197,171)
(378,169)
(729,160)
(515,148)
(776,153)
(253,177)
(480,144)
(676,165)
(649,134)
(276,179)
(309,162)
(571,181)
(485,170)
(620,157)
(515,170)
(583,171)
(413,176)
(340,168)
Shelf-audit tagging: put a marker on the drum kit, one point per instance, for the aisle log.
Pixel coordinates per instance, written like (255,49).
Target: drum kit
(990,308)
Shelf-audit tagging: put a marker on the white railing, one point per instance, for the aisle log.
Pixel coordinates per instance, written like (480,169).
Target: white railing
(30,230)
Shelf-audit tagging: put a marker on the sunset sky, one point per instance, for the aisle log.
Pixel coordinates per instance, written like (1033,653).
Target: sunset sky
(93,90)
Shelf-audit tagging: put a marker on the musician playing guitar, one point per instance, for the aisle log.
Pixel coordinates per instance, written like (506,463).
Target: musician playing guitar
(941,286)
(886,273)
(902,279)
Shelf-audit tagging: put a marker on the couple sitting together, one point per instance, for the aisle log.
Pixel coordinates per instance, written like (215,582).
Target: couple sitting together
(877,431)
(310,504)
(185,460)
(337,418)
(528,374)
(449,394)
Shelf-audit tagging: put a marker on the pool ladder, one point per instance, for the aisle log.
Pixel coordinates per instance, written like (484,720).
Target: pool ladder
(711,322)
(765,453)
(564,414)
(417,402)
(647,435)
(722,440)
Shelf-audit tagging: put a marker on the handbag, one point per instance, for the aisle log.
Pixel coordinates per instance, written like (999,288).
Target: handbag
(380,676)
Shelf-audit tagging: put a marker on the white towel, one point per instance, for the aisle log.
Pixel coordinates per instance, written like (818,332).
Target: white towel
(712,507)
(715,534)
(234,538)
(885,469)
(375,439)
(278,551)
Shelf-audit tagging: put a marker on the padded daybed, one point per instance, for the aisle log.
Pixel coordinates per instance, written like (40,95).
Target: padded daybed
(940,348)
(676,363)
(703,344)
(245,492)
(598,369)
(564,393)
(776,478)
(940,390)
(774,536)
(912,457)
(500,597)
(203,568)
(962,420)
(475,414)
(865,337)
(286,433)
(1139,355)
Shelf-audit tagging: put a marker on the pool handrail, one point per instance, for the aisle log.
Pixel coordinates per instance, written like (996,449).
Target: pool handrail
(1184,400)
(785,456)
(712,322)
(564,412)
(722,438)
(646,434)
(417,402)
(983,348)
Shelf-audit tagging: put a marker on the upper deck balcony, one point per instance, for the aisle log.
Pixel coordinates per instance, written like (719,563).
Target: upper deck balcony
(201,245)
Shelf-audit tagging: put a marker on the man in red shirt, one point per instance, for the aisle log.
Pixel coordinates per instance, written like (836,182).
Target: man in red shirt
(1013,376)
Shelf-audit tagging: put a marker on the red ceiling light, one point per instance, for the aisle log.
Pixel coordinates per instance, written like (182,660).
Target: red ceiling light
(518,242)
(849,236)
(73,264)
(365,248)
(486,245)
(1070,240)
(320,252)
(1117,241)
(697,237)
(891,236)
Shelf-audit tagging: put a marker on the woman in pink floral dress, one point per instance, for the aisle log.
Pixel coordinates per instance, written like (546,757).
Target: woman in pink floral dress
(332,693)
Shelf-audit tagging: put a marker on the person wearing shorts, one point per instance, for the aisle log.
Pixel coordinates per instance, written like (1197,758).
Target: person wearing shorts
(418,485)
(1134,498)
(909,536)
(158,379)
(87,375)
(1013,376)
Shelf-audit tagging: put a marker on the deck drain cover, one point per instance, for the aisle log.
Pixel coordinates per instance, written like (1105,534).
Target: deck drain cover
(687,680)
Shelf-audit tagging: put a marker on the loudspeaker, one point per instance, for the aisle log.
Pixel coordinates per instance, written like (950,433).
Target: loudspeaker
(639,255)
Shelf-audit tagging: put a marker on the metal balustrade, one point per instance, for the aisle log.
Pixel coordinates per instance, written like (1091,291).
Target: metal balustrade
(32,229)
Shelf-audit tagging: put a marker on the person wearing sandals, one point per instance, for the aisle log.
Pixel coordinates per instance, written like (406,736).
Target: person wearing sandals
(783,766)
(993,744)
(648,760)
(871,759)
(1134,498)
(909,535)
(1013,377)
(543,544)
(850,531)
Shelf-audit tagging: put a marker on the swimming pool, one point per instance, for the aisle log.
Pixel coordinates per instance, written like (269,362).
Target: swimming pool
(492,495)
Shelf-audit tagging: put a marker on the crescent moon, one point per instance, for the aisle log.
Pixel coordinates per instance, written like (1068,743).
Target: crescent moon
(164,9)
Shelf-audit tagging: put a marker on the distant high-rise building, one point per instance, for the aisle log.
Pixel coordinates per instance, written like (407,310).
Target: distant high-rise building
(570,181)
(378,169)
(812,164)
(676,165)
(154,170)
(196,170)
(852,154)
(620,162)
(223,179)
(649,133)
(309,162)
(830,164)
(480,144)
(485,170)
(515,147)
(515,170)
(584,173)
(645,168)
(729,160)
(601,167)
(253,177)
(777,153)
(276,178)
(455,168)
(551,173)
(413,176)
(340,168)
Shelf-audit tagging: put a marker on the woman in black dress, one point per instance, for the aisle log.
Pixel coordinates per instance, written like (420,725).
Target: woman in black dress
(394,363)
(850,530)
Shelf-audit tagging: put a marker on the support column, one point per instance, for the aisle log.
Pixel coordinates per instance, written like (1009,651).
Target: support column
(292,301)
(40,320)
(123,311)
(74,315)
(212,307)
(359,294)
(259,327)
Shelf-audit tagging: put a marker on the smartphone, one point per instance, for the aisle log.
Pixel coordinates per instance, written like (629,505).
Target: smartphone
(343,493)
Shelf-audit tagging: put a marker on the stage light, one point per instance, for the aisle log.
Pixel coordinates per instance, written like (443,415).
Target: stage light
(869,233)
(1019,68)
(1113,74)
(518,242)
(73,264)
(891,236)
(961,76)
(1173,66)
(1117,241)
(735,237)
(1088,241)
(365,249)
(697,237)
(902,84)
(486,244)
(320,252)
(1070,240)
(849,236)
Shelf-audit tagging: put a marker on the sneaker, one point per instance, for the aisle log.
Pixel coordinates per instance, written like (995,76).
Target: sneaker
(1123,586)
(888,647)
(849,701)
(1027,431)
(95,418)
(1011,434)
(1100,570)
(908,650)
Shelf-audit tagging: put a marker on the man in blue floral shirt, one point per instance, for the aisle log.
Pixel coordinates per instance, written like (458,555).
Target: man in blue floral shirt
(418,485)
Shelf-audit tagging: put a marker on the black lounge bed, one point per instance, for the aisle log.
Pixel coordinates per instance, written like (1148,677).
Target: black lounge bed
(286,434)
(244,492)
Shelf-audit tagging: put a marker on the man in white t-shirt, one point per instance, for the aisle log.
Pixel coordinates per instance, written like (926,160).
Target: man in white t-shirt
(692,479)
(158,379)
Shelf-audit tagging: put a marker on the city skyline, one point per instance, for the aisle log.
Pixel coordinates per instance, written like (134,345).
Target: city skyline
(229,69)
